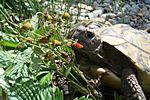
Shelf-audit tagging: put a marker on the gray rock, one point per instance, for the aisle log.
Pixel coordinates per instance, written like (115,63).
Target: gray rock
(147,14)
(56,8)
(110,15)
(119,13)
(95,4)
(89,8)
(126,7)
(127,19)
(97,8)
(99,1)
(91,15)
(83,14)
(108,1)
(82,5)
(132,24)
(113,21)
(83,11)
(148,6)
(134,8)
(119,20)
(144,8)
(147,1)
(147,25)
(98,12)
(93,26)
(86,1)
(73,11)
(63,6)
(82,18)
(116,7)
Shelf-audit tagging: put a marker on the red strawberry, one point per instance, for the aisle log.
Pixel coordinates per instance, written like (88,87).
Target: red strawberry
(77,45)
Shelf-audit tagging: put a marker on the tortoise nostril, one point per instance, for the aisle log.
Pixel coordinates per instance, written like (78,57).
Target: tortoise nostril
(90,34)
(79,30)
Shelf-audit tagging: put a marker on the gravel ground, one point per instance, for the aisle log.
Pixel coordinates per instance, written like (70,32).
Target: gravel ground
(135,14)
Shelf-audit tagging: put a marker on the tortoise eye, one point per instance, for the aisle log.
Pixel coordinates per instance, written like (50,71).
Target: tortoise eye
(90,34)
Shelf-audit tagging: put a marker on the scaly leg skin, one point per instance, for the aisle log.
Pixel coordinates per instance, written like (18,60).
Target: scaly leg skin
(131,88)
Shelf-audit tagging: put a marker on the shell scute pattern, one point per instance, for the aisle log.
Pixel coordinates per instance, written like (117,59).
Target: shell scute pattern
(135,44)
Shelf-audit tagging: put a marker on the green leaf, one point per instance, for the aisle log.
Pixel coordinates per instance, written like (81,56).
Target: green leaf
(3,84)
(58,94)
(9,43)
(46,79)
(83,98)
(67,71)
(34,22)
(8,40)
(19,61)
(6,59)
(30,90)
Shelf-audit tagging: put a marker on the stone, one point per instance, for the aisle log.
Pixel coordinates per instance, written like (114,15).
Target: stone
(82,18)
(83,14)
(89,8)
(108,8)
(144,9)
(148,6)
(119,13)
(86,1)
(73,11)
(119,20)
(93,26)
(116,7)
(147,2)
(91,15)
(136,15)
(132,24)
(108,1)
(147,14)
(63,6)
(134,8)
(83,6)
(126,7)
(83,11)
(113,21)
(95,4)
(127,19)
(99,19)
(140,14)
(110,15)
(99,1)
(147,25)
(98,12)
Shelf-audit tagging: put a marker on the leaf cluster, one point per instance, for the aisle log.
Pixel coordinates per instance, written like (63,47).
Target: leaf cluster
(35,51)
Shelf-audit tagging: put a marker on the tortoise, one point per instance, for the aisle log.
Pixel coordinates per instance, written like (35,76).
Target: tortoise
(119,53)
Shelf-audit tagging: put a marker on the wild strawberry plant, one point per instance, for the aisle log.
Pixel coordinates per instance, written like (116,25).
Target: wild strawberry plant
(37,57)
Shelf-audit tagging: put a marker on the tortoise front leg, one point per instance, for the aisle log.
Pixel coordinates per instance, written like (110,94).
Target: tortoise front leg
(125,68)
(130,86)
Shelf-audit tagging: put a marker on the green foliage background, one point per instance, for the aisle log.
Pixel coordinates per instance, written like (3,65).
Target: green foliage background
(31,58)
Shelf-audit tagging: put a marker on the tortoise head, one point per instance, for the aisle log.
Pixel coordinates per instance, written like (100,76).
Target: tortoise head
(88,39)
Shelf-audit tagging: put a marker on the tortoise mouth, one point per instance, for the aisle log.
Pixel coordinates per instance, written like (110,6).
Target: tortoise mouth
(88,40)
(92,45)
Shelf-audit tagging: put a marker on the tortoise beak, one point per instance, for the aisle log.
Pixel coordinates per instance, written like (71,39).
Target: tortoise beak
(88,40)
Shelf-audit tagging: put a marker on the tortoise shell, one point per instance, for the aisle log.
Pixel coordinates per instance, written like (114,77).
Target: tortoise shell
(134,43)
